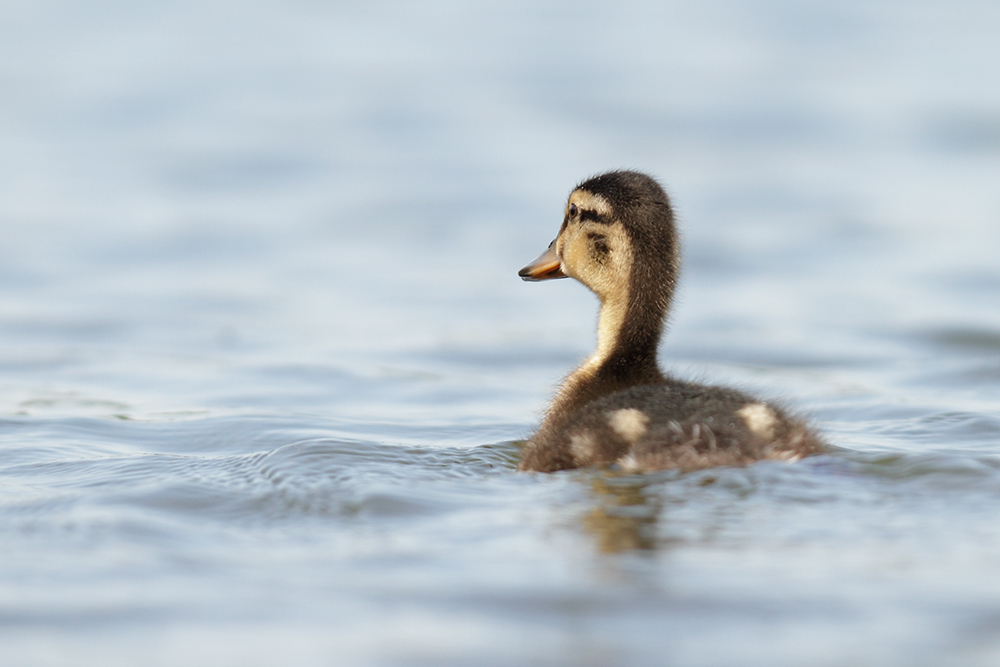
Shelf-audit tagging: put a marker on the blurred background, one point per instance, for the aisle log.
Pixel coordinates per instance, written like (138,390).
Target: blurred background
(227,228)
(371,176)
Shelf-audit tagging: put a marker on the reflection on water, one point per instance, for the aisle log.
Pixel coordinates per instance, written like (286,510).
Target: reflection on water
(624,516)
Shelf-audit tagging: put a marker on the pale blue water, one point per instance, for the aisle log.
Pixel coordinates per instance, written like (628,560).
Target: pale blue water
(264,353)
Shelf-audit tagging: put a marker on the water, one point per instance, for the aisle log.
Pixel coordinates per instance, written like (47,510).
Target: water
(265,356)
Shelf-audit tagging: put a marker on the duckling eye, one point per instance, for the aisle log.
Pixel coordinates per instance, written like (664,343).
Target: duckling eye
(573,210)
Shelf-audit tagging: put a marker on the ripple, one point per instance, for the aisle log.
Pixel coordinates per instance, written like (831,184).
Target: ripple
(105,465)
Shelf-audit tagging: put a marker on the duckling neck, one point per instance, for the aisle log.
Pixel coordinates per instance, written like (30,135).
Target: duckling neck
(627,337)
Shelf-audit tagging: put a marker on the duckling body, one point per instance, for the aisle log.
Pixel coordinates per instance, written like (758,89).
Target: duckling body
(618,408)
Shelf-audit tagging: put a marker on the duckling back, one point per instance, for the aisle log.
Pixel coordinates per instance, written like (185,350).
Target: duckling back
(672,425)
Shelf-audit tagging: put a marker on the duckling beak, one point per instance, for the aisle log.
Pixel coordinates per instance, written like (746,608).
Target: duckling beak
(545,267)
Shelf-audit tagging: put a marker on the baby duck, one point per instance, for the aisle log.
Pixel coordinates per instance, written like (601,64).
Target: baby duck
(618,408)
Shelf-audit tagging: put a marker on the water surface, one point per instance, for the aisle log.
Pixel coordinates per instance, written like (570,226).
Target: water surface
(265,359)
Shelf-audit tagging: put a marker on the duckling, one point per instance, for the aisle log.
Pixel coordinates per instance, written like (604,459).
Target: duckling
(618,408)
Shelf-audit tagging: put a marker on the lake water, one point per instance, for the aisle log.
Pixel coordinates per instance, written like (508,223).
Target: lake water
(264,355)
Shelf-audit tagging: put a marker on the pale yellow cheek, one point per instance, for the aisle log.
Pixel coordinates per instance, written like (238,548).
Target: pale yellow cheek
(574,259)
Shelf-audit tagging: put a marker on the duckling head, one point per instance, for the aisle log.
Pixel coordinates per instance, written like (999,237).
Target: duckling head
(617,238)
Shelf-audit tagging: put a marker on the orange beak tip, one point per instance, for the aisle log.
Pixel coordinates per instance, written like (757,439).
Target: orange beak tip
(545,267)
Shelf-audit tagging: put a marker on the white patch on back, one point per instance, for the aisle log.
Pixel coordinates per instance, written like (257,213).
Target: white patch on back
(629,423)
(759,418)
(629,464)
(581,446)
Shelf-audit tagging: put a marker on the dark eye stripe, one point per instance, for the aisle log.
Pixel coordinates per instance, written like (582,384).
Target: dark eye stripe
(592,215)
